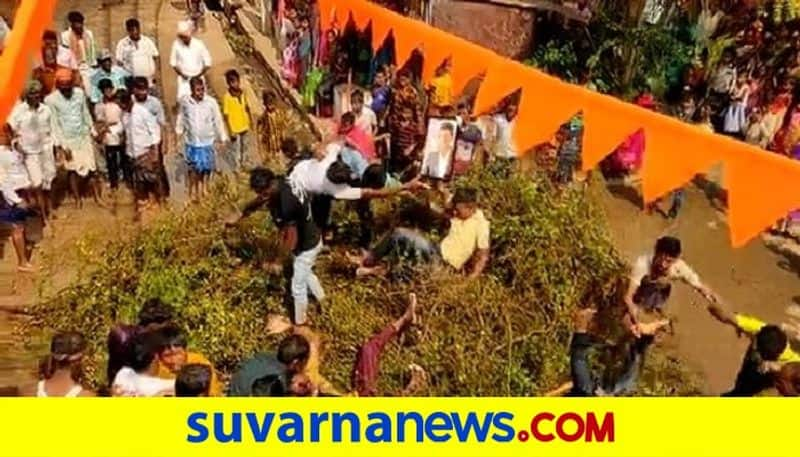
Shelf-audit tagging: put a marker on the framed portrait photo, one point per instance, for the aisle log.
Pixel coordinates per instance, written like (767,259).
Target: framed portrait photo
(440,144)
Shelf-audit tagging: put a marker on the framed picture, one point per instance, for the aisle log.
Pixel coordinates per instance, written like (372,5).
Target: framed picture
(440,143)
(465,154)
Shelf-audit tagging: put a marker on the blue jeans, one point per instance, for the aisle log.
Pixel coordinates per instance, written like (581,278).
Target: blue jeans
(584,383)
(408,243)
(678,197)
(304,281)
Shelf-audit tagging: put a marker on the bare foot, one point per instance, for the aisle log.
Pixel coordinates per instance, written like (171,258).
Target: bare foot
(354,259)
(26,268)
(651,328)
(370,271)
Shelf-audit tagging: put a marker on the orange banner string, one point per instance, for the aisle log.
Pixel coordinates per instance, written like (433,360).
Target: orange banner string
(762,186)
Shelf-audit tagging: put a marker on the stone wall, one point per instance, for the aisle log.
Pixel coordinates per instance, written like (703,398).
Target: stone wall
(507,30)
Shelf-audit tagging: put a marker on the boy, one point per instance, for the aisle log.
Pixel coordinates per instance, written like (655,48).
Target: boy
(269,127)
(109,131)
(200,121)
(366,119)
(173,356)
(237,117)
(466,246)
(768,353)
(194,380)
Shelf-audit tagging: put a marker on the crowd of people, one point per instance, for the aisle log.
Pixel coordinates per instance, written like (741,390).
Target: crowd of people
(82,101)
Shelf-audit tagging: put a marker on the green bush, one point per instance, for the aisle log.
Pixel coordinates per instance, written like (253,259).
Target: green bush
(505,334)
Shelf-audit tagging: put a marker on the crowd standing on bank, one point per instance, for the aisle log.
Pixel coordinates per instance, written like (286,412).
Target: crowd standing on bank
(94,119)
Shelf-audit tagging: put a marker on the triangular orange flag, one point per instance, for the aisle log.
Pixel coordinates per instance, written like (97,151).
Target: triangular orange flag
(495,85)
(361,15)
(380,30)
(328,14)
(546,103)
(607,123)
(674,153)
(762,188)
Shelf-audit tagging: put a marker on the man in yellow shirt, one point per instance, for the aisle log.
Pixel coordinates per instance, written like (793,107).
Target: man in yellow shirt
(769,350)
(441,90)
(465,248)
(172,356)
(237,116)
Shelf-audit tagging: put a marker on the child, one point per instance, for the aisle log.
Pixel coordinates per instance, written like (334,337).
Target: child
(290,62)
(365,117)
(108,131)
(269,127)
(173,357)
(194,380)
(735,121)
(237,116)
(757,132)
(441,89)
(200,120)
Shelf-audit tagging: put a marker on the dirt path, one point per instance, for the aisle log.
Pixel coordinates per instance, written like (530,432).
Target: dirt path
(759,279)
(61,243)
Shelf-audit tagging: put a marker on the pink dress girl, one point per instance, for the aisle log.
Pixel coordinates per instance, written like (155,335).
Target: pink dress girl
(290,64)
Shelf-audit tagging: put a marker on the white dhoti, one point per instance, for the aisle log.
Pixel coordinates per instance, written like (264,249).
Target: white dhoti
(33,163)
(82,159)
(13,166)
(41,168)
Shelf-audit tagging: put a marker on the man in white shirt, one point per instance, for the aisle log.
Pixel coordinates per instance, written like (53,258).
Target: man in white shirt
(648,290)
(139,378)
(31,122)
(325,177)
(189,58)
(142,94)
(80,41)
(505,123)
(137,53)
(143,135)
(200,122)
(366,119)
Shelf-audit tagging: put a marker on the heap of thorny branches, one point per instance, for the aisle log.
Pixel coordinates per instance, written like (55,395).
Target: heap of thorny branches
(505,334)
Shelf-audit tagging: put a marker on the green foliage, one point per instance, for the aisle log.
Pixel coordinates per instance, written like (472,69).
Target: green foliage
(558,59)
(505,334)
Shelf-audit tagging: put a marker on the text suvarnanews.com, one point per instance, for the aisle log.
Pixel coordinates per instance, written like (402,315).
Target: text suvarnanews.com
(400,427)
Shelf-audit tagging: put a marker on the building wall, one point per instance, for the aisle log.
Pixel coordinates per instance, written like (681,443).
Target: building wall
(506,30)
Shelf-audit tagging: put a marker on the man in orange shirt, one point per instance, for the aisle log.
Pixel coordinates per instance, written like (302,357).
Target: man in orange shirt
(172,356)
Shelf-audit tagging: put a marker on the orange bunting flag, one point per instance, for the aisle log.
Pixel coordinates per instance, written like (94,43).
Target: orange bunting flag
(327,14)
(607,123)
(380,31)
(762,188)
(546,103)
(675,152)
(497,84)
(435,50)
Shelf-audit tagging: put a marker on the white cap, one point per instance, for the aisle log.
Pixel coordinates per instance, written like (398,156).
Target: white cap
(185,28)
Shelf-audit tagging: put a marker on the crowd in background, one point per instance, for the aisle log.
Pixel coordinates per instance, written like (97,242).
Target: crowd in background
(391,134)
